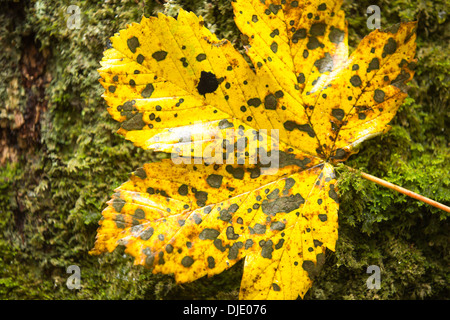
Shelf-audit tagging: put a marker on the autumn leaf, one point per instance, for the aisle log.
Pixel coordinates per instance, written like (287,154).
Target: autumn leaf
(176,88)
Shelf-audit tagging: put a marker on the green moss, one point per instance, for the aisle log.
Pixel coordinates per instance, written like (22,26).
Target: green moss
(52,194)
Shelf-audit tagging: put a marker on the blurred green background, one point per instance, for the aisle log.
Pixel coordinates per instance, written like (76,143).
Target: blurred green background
(60,161)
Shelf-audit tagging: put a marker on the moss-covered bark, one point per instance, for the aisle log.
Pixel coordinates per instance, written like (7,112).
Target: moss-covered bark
(60,161)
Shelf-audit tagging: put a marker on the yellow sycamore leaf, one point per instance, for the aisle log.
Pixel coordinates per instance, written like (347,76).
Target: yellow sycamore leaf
(253,147)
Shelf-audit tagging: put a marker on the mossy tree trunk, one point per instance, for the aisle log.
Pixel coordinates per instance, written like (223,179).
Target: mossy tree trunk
(60,160)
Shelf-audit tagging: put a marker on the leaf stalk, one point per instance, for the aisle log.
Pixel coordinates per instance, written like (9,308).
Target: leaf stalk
(397,188)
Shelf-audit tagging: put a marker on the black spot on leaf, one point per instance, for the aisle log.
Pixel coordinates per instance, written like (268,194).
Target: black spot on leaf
(208,83)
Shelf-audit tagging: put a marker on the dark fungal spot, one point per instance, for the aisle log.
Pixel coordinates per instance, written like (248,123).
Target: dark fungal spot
(169,248)
(184,61)
(183,190)
(286,159)
(355,67)
(317,243)
(254,172)
(254,102)
(338,114)
(274,33)
(187,261)
(276,287)
(140,172)
(161,257)
(309,15)
(294,4)
(322,217)
(224,124)
(208,234)
(339,154)
(299,34)
(322,7)
(277,225)
(207,210)
(274,8)
(392,29)
(211,262)
(336,35)
(135,123)
(318,29)
(225,215)
(282,204)
(255,18)
(319,201)
(248,244)
(112,89)
(214,180)
(274,47)
(118,204)
(219,246)
(270,102)
(239,220)
(120,221)
(289,183)
(258,229)
(208,83)
(291,125)
(197,219)
(148,90)
(266,249)
(159,55)
(201,197)
(389,47)
(310,267)
(324,64)
(237,173)
(361,116)
(139,213)
(140,59)
(355,80)
(230,234)
(181,222)
(116,78)
(313,43)
(233,208)
(149,260)
(378,95)
(374,64)
(145,235)
(333,194)
(201,57)
(372,50)
(234,251)
(133,43)
(305,53)
(280,243)
(301,78)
